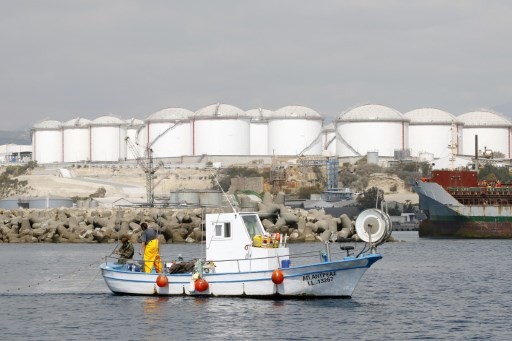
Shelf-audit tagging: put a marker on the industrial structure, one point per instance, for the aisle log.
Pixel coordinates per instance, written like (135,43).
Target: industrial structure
(47,141)
(108,135)
(493,132)
(169,132)
(258,144)
(329,139)
(135,132)
(37,202)
(15,153)
(427,123)
(295,130)
(76,140)
(369,128)
(222,130)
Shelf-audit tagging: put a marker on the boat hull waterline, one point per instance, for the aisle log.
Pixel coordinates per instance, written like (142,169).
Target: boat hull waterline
(326,279)
(446,217)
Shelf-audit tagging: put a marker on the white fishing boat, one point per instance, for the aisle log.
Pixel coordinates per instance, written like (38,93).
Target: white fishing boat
(242,259)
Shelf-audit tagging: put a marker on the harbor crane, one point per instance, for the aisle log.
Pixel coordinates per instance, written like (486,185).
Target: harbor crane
(145,161)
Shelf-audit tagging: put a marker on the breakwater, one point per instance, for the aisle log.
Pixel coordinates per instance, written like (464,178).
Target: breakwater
(105,225)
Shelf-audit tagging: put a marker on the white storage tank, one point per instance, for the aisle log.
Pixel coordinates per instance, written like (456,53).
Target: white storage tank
(295,130)
(493,132)
(372,158)
(47,142)
(329,139)
(426,157)
(371,127)
(169,132)
(135,135)
(108,134)
(259,131)
(433,131)
(221,129)
(76,135)
(184,197)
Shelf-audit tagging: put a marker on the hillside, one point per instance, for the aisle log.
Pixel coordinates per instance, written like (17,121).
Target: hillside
(130,182)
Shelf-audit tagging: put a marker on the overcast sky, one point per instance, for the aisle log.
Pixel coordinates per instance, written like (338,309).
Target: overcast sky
(66,59)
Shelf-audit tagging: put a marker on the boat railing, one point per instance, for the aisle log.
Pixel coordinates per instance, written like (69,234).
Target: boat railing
(320,254)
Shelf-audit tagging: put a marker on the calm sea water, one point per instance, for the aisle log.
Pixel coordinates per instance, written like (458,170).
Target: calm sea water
(421,289)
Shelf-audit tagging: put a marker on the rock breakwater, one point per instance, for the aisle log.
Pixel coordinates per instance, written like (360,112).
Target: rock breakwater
(103,225)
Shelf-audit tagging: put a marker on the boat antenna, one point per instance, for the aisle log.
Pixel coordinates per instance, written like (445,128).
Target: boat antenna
(117,227)
(224,193)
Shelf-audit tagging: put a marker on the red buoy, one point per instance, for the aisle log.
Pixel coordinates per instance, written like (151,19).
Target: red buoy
(201,284)
(162,281)
(277,276)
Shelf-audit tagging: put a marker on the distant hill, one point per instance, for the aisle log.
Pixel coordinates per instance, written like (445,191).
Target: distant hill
(15,137)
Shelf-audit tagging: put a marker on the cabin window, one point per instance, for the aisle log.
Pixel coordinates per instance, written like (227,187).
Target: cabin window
(218,230)
(253,225)
(223,230)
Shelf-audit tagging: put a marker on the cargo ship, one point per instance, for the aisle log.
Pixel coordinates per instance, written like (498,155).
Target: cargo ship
(458,205)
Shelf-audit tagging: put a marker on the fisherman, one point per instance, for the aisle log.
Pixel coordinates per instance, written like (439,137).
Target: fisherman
(126,250)
(149,248)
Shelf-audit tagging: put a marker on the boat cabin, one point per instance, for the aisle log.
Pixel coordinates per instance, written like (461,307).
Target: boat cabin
(238,242)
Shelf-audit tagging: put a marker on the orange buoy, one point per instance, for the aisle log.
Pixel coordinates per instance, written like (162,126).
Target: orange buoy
(277,276)
(201,284)
(277,236)
(162,281)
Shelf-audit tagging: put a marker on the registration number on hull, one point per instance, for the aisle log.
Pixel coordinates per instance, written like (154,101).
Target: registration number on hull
(323,277)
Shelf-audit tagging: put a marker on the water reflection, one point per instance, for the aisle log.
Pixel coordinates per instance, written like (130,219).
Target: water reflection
(155,306)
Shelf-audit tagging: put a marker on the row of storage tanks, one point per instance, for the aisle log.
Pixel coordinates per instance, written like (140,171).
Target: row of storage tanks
(222,129)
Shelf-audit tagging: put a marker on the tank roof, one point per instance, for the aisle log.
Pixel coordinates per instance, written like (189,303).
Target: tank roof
(170,114)
(134,122)
(371,112)
(259,114)
(484,118)
(48,124)
(296,112)
(108,120)
(77,122)
(220,110)
(430,115)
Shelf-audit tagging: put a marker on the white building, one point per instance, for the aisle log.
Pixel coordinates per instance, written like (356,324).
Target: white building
(15,153)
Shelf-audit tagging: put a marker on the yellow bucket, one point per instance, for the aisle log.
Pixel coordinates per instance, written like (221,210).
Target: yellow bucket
(257,241)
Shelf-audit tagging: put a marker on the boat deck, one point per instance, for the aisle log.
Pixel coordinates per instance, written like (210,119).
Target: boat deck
(499,196)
